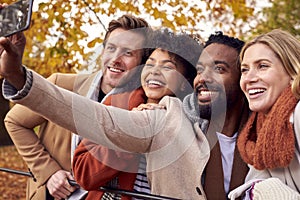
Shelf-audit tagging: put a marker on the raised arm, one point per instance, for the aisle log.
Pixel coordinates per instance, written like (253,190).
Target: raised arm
(11,52)
(43,150)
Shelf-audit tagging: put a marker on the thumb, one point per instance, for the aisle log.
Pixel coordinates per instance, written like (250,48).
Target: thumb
(71,180)
(69,176)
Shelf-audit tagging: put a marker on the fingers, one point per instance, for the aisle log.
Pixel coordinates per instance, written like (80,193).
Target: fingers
(70,177)
(149,106)
(58,189)
(58,185)
(11,53)
(7,46)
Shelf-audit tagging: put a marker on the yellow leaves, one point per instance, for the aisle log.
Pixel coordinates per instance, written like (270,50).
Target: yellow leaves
(92,43)
(56,33)
(157,14)
(195,11)
(239,8)
(169,24)
(127,6)
(181,20)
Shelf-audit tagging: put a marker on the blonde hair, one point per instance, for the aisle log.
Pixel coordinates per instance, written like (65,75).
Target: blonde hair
(287,49)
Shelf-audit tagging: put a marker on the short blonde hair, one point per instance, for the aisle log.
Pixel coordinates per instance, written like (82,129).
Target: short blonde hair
(287,49)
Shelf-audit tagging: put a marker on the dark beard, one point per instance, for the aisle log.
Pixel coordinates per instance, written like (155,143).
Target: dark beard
(205,111)
(218,108)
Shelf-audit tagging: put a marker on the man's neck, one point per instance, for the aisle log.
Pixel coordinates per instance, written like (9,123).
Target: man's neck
(101,95)
(234,119)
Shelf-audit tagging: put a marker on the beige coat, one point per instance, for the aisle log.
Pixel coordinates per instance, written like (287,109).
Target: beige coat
(289,175)
(49,150)
(176,150)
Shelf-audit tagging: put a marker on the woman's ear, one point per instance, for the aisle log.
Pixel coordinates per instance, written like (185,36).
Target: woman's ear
(291,81)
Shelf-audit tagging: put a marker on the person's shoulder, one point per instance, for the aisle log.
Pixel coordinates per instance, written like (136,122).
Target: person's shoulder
(61,77)
(68,80)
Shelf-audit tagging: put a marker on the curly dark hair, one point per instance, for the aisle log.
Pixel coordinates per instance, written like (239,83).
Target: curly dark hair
(233,42)
(181,47)
(220,38)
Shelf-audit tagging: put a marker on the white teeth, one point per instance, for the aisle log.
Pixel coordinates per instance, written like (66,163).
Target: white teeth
(207,93)
(115,70)
(154,82)
(254,91)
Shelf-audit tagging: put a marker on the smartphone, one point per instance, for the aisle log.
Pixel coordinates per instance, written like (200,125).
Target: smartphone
(15,17)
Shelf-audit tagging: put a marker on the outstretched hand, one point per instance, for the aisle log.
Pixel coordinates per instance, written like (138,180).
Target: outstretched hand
(11,53)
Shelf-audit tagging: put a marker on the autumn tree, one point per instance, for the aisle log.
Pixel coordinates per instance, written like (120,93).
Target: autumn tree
(283,14)
(58,42)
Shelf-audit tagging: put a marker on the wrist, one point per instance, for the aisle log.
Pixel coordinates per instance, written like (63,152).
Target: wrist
(17,78)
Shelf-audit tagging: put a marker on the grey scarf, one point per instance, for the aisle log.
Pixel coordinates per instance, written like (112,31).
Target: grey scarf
(191,109)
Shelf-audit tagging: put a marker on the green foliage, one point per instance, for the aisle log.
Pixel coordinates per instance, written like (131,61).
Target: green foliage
(283,14)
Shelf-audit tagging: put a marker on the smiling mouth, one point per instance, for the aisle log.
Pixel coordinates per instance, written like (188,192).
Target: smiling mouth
(205,95)
(256,91)
(115,70)
(155,83)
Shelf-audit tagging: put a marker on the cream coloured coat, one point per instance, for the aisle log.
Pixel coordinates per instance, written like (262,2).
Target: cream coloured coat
(289,175)
(176,150)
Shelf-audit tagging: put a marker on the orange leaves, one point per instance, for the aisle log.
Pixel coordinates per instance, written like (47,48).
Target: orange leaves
(12,186)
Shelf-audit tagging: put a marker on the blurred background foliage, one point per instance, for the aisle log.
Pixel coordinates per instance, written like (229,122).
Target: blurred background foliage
(59,39)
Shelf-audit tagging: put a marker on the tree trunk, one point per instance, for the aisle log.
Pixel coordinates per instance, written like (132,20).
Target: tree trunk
(4,108)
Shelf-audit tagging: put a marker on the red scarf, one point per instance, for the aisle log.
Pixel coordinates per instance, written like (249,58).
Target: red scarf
(127,100)
(268,141)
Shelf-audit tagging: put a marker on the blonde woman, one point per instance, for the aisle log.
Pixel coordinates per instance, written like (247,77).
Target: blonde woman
(270,66)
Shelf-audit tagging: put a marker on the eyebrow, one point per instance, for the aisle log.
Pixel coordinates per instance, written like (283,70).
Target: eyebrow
(125,48)
(257,61)
(163,61)
(222,62)
(216,62)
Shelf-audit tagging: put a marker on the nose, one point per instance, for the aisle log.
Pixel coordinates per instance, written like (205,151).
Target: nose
(204,76)
(155,69)
(116,58)
(250,76)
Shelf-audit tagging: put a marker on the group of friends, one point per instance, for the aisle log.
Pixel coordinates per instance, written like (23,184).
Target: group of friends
(165,115)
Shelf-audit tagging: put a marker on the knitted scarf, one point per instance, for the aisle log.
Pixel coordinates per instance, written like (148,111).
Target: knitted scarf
(191,110)
(268,141)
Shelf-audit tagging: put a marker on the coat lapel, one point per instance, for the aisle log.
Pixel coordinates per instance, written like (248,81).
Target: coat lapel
(239,171)
(214,177)
(84,83)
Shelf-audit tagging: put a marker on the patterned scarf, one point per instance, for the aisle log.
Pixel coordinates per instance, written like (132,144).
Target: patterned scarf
(268,141)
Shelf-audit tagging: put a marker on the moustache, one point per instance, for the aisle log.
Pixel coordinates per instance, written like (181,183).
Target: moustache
(207,87)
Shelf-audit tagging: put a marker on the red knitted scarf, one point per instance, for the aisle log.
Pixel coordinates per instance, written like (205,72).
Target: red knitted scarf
(268,141)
